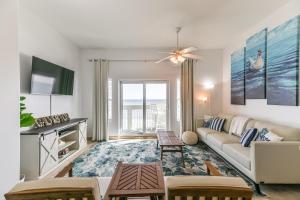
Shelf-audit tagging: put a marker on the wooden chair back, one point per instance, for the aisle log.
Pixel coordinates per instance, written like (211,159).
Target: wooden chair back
(53,194)
(56,188)
(210,193)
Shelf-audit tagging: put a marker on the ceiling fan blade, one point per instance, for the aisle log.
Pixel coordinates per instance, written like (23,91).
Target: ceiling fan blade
(187,50)
(172,53)
(192,56)
(166,58)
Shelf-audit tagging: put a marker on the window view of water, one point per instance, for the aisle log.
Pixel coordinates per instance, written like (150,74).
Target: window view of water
(134,107)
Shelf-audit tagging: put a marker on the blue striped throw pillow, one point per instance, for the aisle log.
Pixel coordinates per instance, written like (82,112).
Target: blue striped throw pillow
(217,124)
(249,136)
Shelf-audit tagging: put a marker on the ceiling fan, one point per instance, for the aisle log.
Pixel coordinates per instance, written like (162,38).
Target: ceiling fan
(179,55)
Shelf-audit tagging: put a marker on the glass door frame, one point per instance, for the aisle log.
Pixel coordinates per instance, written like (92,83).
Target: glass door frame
(144,82)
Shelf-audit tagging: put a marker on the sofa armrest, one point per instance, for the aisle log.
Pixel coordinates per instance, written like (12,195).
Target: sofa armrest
(275,162)
(199,122)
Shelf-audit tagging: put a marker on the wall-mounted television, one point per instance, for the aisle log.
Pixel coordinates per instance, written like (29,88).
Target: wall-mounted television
(50,79)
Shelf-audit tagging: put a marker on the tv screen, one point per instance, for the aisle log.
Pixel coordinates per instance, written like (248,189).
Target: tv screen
(48,78)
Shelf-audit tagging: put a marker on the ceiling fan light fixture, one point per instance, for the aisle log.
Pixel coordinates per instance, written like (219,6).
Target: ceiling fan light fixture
(180,58)
(174,60)
(179,55)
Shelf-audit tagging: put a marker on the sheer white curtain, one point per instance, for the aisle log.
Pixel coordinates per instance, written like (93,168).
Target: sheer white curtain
(100,101)
(187,96)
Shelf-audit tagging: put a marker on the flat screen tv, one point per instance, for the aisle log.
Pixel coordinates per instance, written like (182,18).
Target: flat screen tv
(50,79)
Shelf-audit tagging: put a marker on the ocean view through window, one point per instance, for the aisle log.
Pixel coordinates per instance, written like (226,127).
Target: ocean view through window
(144,107)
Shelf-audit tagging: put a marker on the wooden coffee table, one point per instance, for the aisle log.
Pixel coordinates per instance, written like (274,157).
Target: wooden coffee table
(137,180)
(169,142)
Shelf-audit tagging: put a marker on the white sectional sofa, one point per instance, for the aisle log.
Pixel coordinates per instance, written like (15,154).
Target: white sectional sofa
(263,162)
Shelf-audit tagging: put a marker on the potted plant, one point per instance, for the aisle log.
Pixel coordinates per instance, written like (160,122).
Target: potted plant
(26,119)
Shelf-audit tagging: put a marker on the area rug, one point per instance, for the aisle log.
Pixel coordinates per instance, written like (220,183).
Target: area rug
(102,158)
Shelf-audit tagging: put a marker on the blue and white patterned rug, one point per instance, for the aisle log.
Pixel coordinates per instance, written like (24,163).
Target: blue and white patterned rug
(102,158)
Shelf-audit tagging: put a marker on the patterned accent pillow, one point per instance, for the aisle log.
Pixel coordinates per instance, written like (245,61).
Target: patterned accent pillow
(266,135)
(248,136)
(217,124)
(261,135)
(207,123)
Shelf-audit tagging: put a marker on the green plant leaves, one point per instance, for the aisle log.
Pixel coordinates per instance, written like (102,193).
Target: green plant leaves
(26,119)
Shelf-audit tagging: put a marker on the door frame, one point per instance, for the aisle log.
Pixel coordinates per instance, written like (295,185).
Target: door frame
(144,82)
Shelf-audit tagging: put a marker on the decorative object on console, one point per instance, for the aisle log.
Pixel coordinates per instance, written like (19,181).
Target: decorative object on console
(248,136)
(26,119)
(217,124)
(55,119)
(256,48)
(283,64)
(51,120)
(47,121)
(64,117)
(39,123)
(238,77)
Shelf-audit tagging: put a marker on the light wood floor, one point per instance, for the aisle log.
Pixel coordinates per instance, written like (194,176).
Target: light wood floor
(273,192)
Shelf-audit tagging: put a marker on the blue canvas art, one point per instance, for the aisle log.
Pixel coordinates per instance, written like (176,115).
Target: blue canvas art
(256,65)
(238,77)
(283,64)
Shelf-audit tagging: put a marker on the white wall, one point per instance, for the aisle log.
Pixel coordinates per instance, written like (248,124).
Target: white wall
(209,68)
(286,115)
(39,39)
(9,96)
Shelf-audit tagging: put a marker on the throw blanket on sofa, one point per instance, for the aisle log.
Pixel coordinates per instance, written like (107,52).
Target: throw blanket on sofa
(238,125)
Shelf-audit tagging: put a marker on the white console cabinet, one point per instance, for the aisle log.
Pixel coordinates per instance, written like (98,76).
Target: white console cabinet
(44,149)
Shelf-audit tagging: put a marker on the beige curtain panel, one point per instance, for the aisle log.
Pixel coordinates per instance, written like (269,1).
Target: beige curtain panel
(187,96)
(100,103)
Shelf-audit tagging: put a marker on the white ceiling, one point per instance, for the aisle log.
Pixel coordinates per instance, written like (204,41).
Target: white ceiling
(151,23)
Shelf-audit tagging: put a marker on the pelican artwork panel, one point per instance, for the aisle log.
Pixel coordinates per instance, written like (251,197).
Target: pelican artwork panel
(238,77)
(256,65)
(283,64)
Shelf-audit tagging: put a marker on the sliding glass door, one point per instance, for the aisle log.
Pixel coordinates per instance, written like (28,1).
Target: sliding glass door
(144,107)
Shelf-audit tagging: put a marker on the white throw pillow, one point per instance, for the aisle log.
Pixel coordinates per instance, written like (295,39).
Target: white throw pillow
(273,137)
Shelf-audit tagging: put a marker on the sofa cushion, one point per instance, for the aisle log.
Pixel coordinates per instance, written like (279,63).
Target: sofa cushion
(228,118)
(218,139)
(202,132)
(238,153)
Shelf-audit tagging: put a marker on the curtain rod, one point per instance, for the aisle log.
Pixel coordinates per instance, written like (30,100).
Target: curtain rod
(128,60)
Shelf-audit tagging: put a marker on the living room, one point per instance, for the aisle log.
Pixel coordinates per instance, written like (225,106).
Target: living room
(198,89)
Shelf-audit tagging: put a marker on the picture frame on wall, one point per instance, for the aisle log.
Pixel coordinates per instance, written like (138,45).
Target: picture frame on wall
(283,64)
(238,77)
(255,67)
